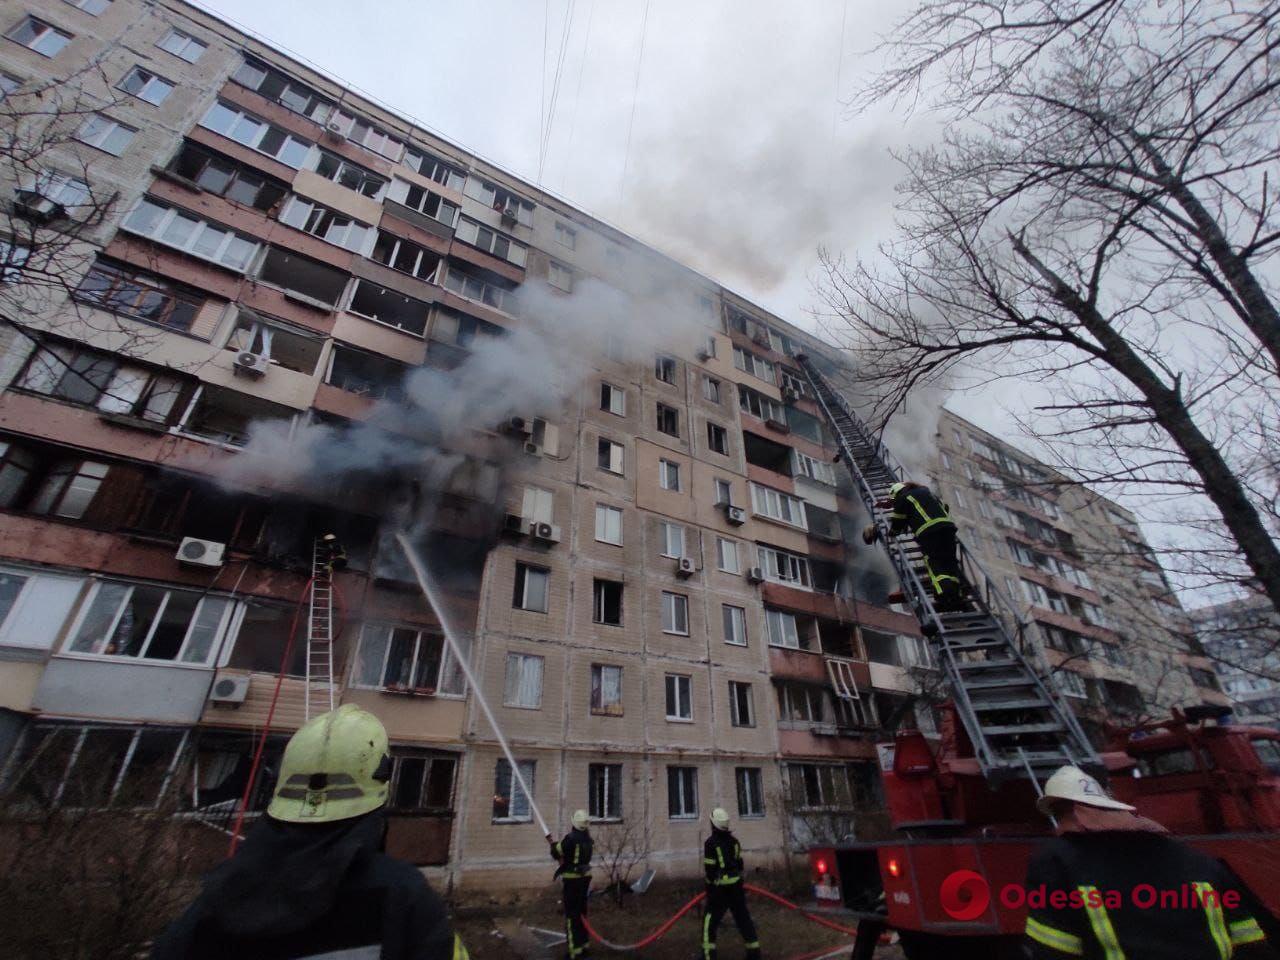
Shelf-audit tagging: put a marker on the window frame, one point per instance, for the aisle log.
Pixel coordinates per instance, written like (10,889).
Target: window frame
(612,447)
(664,369)
(715,430)
(731,616)
(153,78)
(678,602)
(227,621)
(522,661)
(521,587)
(189,41)
(609,393)
(674,684)
(736,702)
(748,784)
(39,37)
(600,587)
(669,531)
(171,213)
(668,475)
(605,509)
(596,700)
(667,415)
(108,128)
(725,547)
(685,780)
(528,770)
(609,778)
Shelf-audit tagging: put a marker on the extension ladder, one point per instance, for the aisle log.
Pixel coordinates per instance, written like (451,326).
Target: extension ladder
(319,685)
(1015,718)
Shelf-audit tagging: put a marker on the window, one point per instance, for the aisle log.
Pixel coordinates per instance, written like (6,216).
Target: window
(246,129)
(296,348)
(510,802)
(718,439)
(791,381)
(145,85)
(91,7)
(783,567)
(742,711)
(711,389)
(735,625)
(398,658)
(421,781)
(147,622)
(682,793)
(175,228)
(88,378)
(727,555)
(664,368)
(668,475)
(680,704)
(328,225)
(365,374)
(389,307)
(804,465)
(348,174)
(777,505)
(896,650)
(748,362)
(132,293)
(724,493)
(782,629)
(460,330)
(758,405)
(566,236)
(418,198)
(1071,683)
(538,505)
(750,791)
(604,791)
(33,607)
(800,702)
(560,276)
(613,399)
(39,36)
(226,178)
(491,241)
(606,690)
(675,613)
(69,488)
(819,786)
(607,602)
(8,84)
(531,588)
(609,456)
(279,88)
(367,135)
(433,168)
(469,286)
(668,420)
(405,256)
(105,134)
(182,45)
(67,191)
(608,524)
(523,686)
(672,539)
(13,257)
(511,205)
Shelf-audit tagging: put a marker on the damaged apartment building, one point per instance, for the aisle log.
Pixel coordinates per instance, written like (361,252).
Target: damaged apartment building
(655,574)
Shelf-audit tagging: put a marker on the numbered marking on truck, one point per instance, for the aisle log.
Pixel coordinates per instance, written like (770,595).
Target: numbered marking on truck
(902,898)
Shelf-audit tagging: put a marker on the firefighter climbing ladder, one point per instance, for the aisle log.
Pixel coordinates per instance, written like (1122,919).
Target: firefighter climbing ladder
(319,691)
(1016,721)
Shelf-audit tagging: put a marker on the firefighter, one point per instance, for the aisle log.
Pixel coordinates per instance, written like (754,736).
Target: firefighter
(918,509)
(722,858)
(311,877)
(1113,861)
(573,853)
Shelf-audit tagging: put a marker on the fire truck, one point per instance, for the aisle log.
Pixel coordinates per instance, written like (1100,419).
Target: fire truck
(967,801)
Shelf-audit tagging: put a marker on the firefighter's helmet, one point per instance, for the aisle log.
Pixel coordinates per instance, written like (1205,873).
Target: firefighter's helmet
(580,819)
(335,767)
(896,489)
(1072,783)
(720,818)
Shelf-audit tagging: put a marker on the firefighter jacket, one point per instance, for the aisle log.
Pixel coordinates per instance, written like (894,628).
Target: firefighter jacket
(917,509)
(722,859)
(1114,895)
(574,854)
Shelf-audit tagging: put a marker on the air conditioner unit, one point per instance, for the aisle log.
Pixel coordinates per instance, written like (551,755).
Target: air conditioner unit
(230,688)
(789,395)
(33,206)
(532,449)
(251,364)
(335,130)
(735,515)
(755,575)
(200,553)
(519,425)
(510,213)
(515,524)
(703,356)
(546,532)
(685,567)
(777,425)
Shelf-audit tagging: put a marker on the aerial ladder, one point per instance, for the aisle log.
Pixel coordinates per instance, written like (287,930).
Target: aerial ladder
(1014,716)
(326,553)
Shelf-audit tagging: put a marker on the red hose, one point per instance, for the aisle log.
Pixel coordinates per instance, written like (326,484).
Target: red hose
(651,937)
(821,921)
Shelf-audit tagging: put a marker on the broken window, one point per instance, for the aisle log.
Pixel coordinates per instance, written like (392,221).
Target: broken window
(800,702)
(461,330)
(220,773)
(718,439)
(145,85)
(471,284)
(421,780)
(243,127)
(227,178)
(510,802)
(531,588)
(609,456)
(281,343)
(262,638)
(277,87)
(227,416)
(523,683)
(433,168)
(398,658)
(604,791)
(606,690)
(178,229)
(120,619)
(606,602)
(664,368)
(389,307)
(143,296)
(365,374)
(742,710)
(89,378)
(177,506)
(47,481)
(405,256)
(491,241)
(803,465)
(668,420)
(309,278)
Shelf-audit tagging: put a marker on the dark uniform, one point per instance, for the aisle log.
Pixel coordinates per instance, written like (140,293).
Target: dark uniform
(574,856)
(722,857)
(917,509)
(1112,875)
(296,890)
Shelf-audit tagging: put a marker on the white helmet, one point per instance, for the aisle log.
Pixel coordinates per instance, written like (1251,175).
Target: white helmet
(1072,783)
(896,489)
(580,819)
(720,818)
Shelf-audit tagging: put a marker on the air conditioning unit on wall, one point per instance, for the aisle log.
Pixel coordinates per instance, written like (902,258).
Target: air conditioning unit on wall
(685,567)
(230,688)
(756,575)
(546,532)
(735,515)
(251,364)
(200,553)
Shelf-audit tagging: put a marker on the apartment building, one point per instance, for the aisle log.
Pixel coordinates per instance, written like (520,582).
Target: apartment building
(650,566)
(1243,639)
(1111,631)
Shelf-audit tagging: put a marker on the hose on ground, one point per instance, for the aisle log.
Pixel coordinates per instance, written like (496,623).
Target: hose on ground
(657,934)
(813,917)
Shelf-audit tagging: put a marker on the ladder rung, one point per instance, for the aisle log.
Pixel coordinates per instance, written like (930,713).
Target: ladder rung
(1012,730)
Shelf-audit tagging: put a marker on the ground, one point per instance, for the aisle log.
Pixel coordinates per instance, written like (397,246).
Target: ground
(500,930)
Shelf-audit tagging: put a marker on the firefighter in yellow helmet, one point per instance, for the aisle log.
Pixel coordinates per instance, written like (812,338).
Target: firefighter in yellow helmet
(917,509)
(573,853)
(722,860)
(311,877)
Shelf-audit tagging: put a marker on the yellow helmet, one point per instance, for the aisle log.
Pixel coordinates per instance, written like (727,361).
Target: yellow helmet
(335,767)
(896,489)
(720,818)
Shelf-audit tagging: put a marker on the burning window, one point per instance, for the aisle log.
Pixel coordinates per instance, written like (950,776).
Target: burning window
(389,307)
(668,421)
(228,416)
(281,343)
(260,642)
(510,802)
(366,374)
(606,605)
(47,481)
(309,278)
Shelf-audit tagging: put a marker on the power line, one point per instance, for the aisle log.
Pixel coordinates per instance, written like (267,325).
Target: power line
(635,91)
(555,87)
(577,96)
(542,105)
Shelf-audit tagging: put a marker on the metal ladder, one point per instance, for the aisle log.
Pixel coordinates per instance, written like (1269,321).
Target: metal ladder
(319,687)
(1016,720)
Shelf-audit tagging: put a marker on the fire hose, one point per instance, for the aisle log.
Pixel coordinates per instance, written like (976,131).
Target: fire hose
(661,931)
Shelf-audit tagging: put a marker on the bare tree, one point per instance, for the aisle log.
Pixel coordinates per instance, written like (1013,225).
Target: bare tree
(1098,218)
(619,849)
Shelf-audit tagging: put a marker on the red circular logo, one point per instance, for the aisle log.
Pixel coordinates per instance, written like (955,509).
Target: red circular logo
(964,895)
